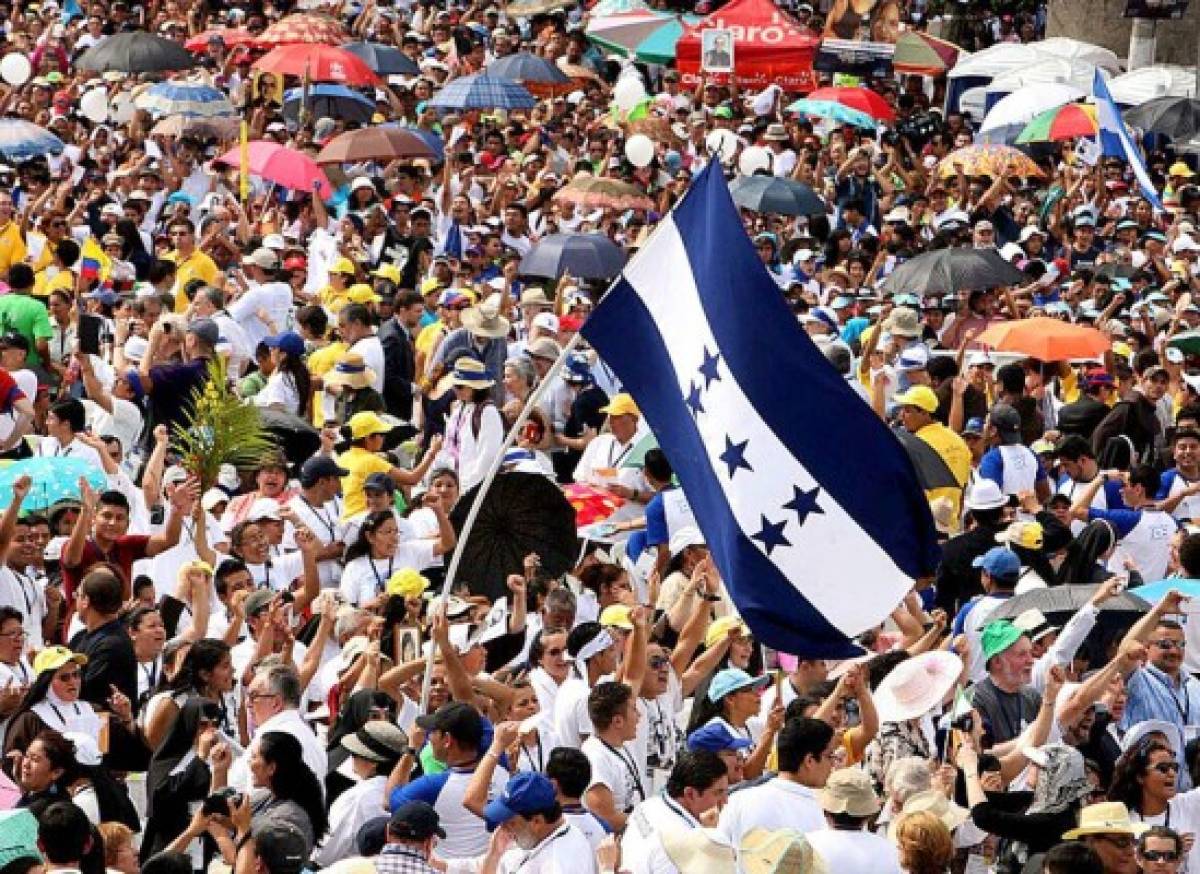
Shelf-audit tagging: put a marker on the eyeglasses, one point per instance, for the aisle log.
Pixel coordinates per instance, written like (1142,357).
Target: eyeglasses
(1159,856)
(19,634)
(657,662)
(1167,643)
(1166,767)
(1121,842)
(67,678)
(258,696)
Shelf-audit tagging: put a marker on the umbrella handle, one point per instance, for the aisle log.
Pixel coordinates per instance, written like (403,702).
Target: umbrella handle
(493,469)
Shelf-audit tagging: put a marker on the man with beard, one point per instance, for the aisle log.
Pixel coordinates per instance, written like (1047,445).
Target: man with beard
(528,810)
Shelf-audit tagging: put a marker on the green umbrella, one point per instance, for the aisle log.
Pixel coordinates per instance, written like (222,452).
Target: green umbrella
(648,36)
(1188,342)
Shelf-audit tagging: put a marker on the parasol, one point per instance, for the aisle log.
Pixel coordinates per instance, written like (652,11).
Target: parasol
(192,99)
(230,36)
(1060,603)
(1152,593)
(522,513)
(286,167)
(374,144)
(1046,339)
(1174,117)
(584,256)
(481,91)
(919,54)
(864,100)
(135,52)
(1187,342)
(1068,122)
(989,160)
(831,109)
(1005,121)
(526,67)
(530,8)
(773,194)
(597,191)
(53,479)
(303,28)
(327,100)
(949,271)
(648,36)
(21,140)
(320,63)
(202,128)
(384,60)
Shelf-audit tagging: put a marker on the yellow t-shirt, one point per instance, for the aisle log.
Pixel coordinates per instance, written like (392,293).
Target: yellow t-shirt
(195,266)
(12,246)
(332,299)
(44,285)
(361,463)
(319,364)
(954,451)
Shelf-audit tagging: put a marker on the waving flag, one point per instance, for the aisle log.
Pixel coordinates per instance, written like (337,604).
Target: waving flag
(93,263)
(1116,140)
(812,509)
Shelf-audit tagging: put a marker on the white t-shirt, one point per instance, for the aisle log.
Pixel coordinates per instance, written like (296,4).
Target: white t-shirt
(365,577)
(647,823)
(571,720)
(124,422)
(616,768)
(564,851)
(859,851)
(356,806)
(371,351)
(49,447)
(279,393)
(24,592)
(1183,816)
(275,298)
(325,522)
(776,804)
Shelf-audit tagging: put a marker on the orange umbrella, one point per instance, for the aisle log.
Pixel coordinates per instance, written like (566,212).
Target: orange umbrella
(1046,339)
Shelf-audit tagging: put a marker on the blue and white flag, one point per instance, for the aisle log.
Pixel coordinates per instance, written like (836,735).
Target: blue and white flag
(1116,140)
(811,507)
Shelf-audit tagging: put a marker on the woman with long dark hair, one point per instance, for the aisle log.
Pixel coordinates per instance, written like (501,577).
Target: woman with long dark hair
(1146,780)
(133,248)
(289,387)
(207,673)
(62,767)
(293,790)
(378,552)
(52,702)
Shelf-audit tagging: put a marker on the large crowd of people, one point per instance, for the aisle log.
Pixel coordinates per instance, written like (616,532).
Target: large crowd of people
(261,674)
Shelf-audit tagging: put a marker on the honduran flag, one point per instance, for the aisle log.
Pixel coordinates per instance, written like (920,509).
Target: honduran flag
(1116,141)
(811,507)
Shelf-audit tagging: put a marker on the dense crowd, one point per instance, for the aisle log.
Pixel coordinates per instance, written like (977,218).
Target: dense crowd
(254,668)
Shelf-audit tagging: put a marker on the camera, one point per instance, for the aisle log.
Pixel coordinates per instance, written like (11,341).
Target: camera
(964,723)
(221,802)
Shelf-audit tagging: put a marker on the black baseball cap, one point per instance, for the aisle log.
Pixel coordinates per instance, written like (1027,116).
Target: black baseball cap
(14,340)
(317,468)
(281,846)
(415,821)
(461,721)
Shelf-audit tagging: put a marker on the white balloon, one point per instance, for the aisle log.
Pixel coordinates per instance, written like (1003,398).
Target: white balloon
(15,69)
(754,158)
(722,143)
(628,93)
(94,105)
(639,149)
(123,109)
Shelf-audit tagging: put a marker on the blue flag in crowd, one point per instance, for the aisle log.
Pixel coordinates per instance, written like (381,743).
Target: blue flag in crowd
(811,507)
(1116,141)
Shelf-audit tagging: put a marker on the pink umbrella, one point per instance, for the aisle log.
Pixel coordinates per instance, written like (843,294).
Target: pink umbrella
(286,167)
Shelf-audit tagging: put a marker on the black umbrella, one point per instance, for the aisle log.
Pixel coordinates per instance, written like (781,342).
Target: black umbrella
(774,194)
(931,468)
(948,271)
(136,52)
(384,60)
(528,67)
(297,437)
(326,100)
(1174,117)
(522,513)
(585,256)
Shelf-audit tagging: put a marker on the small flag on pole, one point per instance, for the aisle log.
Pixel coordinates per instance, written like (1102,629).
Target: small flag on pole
(244,163)
(811,507)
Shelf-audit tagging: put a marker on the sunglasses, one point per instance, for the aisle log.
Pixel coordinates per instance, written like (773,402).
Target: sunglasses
(1121,842)
(1170,644)
(1166,767)
(1159,856)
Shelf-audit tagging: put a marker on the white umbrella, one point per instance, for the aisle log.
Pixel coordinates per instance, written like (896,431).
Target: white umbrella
(1011,113)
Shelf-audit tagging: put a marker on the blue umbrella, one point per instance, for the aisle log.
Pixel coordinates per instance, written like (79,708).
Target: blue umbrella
(384,60)
(482,91)
(427,136)
(54,479)
(329,101)
(528,67)
(190,99)
(831,109)
(1155,592)
(586,256)
(21,140)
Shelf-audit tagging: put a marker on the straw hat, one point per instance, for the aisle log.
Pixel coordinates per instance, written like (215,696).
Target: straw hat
(778,851)
(699,851)
(472,373)
(916,686)
(351,372)
(1105,818)
(485,320)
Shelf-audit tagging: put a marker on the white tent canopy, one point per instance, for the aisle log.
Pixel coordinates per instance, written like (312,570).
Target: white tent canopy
(996,61)
(1074,50)
(1164,80)
(1058,71)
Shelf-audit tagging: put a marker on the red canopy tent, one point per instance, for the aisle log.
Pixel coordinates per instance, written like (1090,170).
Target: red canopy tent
(769,47)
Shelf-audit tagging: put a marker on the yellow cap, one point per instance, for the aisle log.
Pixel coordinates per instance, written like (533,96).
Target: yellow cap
(1028,534)
(407,583)
(431,285)
(343,265)
(365,424)
(616,616)
(1180,169)
(621,405)
(54,657)
(390,272)
(362,293)
(920,396)
(720,629)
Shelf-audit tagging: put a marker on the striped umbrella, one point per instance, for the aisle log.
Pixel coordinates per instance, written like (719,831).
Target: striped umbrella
(21,140)
(648,36)
(230,36)
(305,27)
(482,91)
(831,109)
(919,54)
(191,99)
(1061,123)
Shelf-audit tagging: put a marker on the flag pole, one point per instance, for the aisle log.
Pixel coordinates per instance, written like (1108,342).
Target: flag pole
(493,469)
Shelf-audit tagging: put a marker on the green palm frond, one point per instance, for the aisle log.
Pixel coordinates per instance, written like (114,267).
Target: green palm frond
(220,429)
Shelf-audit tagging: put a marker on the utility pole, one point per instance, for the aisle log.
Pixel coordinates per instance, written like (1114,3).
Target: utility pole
(1142,43)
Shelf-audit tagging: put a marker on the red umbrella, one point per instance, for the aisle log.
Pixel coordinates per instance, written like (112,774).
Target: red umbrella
(231,36)
(304,28)
(862,99)
(286,167)
(321,63)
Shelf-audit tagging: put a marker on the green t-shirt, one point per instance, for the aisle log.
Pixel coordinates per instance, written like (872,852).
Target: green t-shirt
(28,317)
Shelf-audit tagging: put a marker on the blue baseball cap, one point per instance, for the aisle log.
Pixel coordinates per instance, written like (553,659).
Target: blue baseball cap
(715,738)
(525,794)
(288,342)
(999,561)
(179,197)
(974,426)
(733,680)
